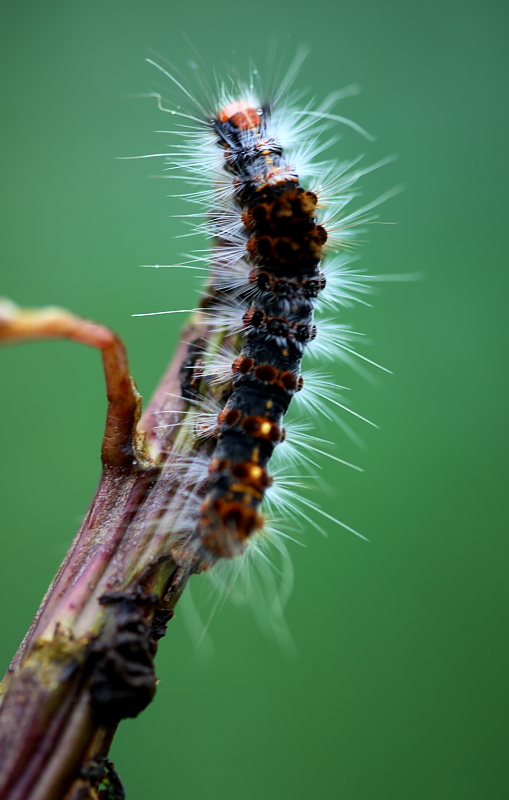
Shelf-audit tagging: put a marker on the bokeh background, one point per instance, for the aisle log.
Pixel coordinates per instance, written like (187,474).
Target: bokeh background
(399,685)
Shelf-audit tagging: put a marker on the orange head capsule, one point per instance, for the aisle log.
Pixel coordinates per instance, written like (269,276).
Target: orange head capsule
(241,115)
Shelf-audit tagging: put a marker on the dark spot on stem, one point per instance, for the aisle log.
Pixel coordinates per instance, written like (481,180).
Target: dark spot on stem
(123,680)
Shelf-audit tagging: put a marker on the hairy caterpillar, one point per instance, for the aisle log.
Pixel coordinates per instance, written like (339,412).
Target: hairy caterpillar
(274,214)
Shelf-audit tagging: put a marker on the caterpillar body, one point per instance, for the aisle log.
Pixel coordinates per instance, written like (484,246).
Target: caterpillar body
(273,213)
(283,247)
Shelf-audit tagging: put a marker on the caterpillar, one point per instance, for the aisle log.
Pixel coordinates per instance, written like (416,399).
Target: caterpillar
(274,214)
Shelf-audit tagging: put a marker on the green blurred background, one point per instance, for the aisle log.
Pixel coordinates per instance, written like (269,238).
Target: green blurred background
(400,687)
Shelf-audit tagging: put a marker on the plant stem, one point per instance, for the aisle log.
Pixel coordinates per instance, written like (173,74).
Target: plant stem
(87,659)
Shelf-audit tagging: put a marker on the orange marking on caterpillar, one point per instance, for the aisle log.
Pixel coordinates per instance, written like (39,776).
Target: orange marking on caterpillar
(229,416)
(243,364)
(265,373)
(261,428)
(250,474)
(254,317)
(240,114)
(247,491)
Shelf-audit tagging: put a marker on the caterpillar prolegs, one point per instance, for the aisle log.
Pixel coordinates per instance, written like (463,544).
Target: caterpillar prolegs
(273,214)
